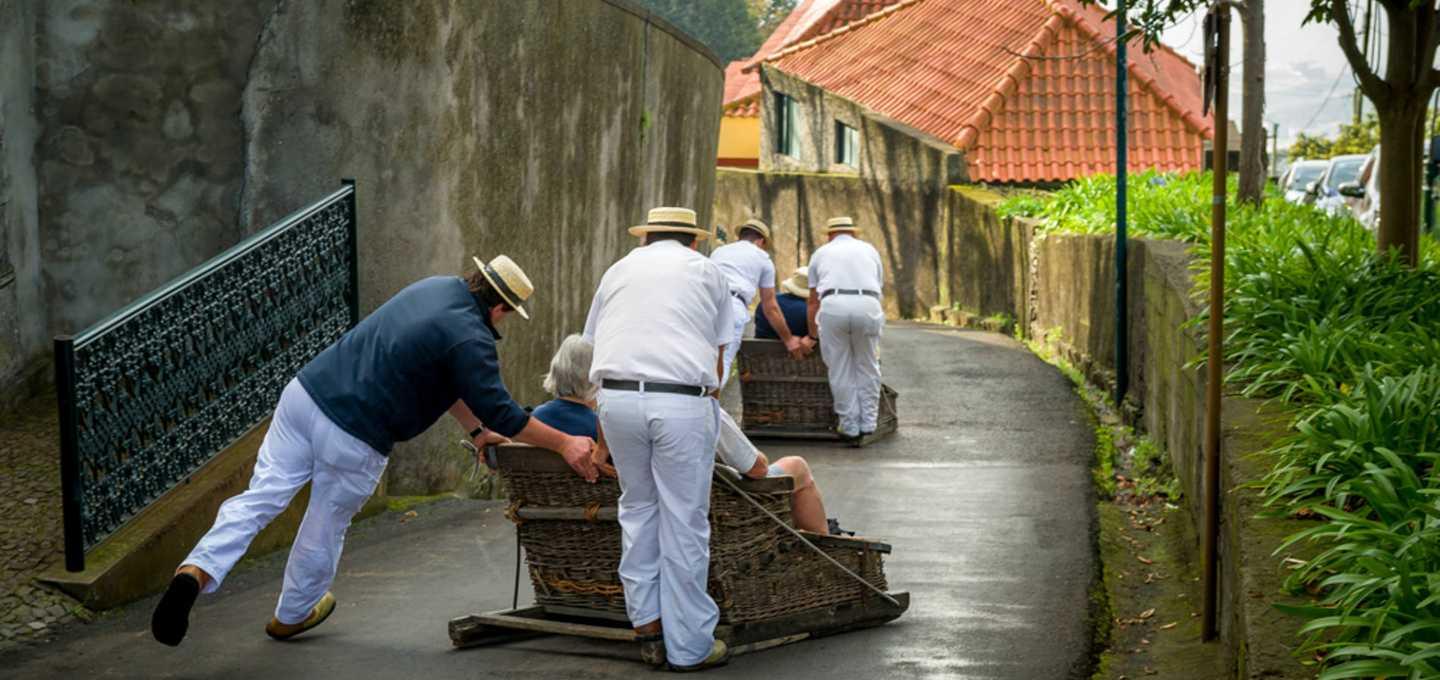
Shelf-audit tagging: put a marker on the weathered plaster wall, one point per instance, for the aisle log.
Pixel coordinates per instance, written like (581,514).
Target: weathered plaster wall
(141,152)
(906,224)
(889,150)
(990,257)
(537,129)
(22,321)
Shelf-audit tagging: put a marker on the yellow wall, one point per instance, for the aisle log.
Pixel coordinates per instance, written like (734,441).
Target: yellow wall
(740,138)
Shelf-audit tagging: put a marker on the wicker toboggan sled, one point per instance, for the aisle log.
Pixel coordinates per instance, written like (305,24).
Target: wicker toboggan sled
(787,398)
(772,588)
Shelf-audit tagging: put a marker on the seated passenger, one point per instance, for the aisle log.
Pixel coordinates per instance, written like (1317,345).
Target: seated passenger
(572,411)
(795,291)
(568,381)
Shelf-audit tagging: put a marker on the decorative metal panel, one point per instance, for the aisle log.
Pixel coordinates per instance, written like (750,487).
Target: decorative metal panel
(152,393)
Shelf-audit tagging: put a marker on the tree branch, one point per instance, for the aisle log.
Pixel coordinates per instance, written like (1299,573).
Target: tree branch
(1372,85)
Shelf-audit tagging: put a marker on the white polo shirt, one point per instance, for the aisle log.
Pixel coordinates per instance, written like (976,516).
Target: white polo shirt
(660,315)
(747,268)
(846,262)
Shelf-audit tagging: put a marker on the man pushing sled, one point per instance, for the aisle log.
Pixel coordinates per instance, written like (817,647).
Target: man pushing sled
(428,350)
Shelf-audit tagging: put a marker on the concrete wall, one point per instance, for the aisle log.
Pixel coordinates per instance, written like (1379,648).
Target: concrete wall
(22,324)
(131,131)
(141,153)
(889,151)
(906,224)
(537,129)
(990,258)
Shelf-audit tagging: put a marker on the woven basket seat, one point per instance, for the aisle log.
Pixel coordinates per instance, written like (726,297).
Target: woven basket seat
(758,570)
(784,397)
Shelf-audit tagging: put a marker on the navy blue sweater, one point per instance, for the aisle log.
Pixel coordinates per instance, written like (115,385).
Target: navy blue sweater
(395,373)
(792,307)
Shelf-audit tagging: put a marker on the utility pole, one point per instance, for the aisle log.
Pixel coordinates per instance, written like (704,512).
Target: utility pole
(1275,150)
(1364,31)
(1217,45)
(1122,167)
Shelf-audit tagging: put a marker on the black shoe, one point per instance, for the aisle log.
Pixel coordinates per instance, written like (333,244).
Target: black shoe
(172,616)
(834,528)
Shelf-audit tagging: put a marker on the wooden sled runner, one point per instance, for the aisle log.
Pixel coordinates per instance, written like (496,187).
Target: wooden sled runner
(771,588)
(785,398)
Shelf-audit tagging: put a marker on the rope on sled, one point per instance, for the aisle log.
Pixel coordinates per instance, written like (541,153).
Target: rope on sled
(736,488)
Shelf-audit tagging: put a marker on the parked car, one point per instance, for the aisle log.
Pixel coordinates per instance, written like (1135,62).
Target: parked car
(1298,177)
(1362,196)
(1325,193)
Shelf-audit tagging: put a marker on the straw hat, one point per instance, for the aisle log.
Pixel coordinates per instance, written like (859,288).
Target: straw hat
(839,224)
(680,220)
(508,280)
(798,284)
(755,225)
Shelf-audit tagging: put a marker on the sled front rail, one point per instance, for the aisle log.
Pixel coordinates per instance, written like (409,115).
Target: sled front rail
(510,625)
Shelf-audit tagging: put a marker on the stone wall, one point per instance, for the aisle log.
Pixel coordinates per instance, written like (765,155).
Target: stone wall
(889,150)
(141,152)
(990,257)
(538,129)
(22,323)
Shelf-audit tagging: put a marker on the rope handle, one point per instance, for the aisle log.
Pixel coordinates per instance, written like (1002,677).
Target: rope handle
(736,488)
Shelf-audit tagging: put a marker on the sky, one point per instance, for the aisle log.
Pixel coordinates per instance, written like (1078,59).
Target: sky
(1308,84)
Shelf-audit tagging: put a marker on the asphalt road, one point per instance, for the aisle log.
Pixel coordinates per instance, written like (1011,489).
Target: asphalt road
(984,494)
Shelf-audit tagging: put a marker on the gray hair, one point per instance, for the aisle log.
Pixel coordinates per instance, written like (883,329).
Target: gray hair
(569,374)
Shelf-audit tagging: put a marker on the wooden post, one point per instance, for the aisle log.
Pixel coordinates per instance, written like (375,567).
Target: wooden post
(1214,366)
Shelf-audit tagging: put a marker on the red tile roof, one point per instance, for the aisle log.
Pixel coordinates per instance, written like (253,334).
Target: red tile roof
(1026,88)
(809,19)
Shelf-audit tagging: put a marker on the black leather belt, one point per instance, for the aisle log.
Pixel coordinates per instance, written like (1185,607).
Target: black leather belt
(848,291)
(668,388)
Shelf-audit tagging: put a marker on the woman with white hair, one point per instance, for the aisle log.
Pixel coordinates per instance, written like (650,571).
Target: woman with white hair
(568,381)
(572,412)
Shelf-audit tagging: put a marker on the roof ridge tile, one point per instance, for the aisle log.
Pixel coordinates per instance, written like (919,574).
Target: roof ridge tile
(844,28)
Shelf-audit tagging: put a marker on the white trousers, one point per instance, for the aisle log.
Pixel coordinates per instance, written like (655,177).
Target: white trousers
(302,445)
(850,330)
(740,314)
(663,446)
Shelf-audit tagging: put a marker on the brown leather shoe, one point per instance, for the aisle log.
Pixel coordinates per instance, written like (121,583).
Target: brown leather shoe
(652,649)
(284,631)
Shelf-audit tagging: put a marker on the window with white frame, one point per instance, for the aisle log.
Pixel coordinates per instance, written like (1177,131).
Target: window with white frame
(847,145)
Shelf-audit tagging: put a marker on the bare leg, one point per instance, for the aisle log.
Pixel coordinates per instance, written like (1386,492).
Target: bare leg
(806,505)
(196,573)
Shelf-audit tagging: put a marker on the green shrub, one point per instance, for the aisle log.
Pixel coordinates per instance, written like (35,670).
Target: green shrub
(1316,319)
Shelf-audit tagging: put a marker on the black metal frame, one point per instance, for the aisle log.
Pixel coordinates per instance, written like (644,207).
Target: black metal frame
(150,394)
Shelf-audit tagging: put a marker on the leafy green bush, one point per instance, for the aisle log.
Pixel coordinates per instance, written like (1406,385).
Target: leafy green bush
(1314,318)
(1162,205)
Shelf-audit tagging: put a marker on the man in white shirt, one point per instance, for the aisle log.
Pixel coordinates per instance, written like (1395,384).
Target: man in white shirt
(659,322)
(750,271)
(846,278)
